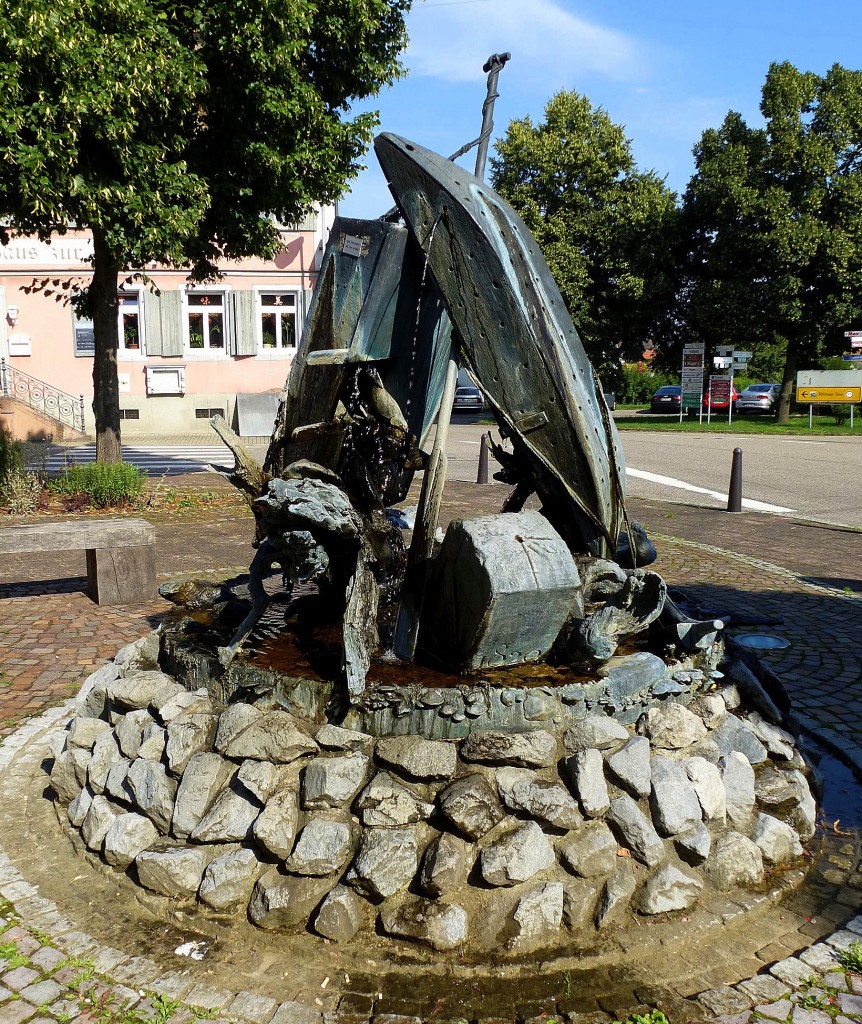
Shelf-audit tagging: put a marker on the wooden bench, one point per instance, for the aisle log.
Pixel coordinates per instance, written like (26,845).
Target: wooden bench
(121,554)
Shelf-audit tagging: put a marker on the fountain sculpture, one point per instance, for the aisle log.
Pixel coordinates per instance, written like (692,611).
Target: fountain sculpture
(503,743)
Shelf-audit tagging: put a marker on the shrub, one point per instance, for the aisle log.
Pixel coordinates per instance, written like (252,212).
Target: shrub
(11,457)
(20,492)
(102,484)
(637,386)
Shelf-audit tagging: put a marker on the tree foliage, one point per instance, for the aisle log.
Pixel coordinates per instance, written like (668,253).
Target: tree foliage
(606,229)
(174,130)
(774,217)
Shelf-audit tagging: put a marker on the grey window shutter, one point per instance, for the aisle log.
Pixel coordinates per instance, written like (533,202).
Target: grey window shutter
(243,340)
(152,304)
(171,313)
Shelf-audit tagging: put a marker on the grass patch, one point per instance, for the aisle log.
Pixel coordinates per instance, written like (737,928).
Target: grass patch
(851,958)
(11,957)
(100,484)
(823,425)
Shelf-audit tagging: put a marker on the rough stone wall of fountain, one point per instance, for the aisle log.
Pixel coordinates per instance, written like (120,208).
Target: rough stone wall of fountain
(516,841)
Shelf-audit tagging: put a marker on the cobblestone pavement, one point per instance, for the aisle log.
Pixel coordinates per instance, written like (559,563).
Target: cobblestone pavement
(52,636)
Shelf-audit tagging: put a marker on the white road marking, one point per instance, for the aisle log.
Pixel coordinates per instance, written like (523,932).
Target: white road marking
(794,441)
(669,481)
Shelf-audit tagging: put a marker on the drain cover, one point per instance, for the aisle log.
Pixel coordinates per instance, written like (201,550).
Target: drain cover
(762,642)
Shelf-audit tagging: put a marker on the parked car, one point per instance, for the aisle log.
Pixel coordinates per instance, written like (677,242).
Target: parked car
(611,399)
(468,399)
(666,399)
(758,398)
(717,404)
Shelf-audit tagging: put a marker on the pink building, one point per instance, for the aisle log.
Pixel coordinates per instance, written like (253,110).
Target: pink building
(186,351)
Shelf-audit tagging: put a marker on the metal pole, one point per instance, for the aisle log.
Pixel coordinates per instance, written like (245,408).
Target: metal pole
(810,415)
(82,413)
(4,383)
(493,65)
(734,494)
(482,475)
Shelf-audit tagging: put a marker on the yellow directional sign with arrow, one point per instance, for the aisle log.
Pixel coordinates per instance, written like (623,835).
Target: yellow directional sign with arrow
(813,395)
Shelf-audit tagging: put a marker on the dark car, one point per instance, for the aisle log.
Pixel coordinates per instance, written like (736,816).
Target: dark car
(468,399)
(758,398)
(667,399)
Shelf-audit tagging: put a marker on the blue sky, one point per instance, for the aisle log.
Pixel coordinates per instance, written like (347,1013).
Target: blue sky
(665,70)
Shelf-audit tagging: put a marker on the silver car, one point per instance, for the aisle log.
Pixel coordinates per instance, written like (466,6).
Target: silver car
(758,398)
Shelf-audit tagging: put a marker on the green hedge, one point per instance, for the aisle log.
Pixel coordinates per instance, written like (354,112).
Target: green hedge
(102,484)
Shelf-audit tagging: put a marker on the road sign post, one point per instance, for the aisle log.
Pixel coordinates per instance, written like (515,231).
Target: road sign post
(691,379)
(831,387)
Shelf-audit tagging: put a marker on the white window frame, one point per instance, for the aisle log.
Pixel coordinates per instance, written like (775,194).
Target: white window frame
(280,351)
(130,353)
(206,352)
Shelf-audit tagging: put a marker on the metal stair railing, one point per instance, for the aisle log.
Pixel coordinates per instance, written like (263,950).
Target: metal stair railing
(42,397)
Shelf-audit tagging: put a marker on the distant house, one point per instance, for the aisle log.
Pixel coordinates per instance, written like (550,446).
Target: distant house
(186,351)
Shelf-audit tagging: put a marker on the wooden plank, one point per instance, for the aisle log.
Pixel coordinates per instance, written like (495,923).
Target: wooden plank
(122,575)
(87,534)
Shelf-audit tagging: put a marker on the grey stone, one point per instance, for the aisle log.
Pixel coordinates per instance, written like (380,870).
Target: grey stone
(674,803)
(280,902)
(294,1012)
(230,818)
(775,790)
(129,729)
(587,772)
(245,731)
(706,781)
(141,654)
(127,836)
(599,731)
(735,734)
(66,772)
(537,917)
(628,674)
(228,879)
(100,817)
(804,815)
(471,805)
(777,841)
(738,778)
(580,897)
(735,861)
(196,703)
(204,777)
(137,690)
(83,732)
(779,742)
(386,801)
(173,871)
(417,757)
(636,831)
(548,802)
(105,754)
(694,845)
(517,856)
(333,737)
(333,781)
(154,792)
(709,707)
(117,784)
(792,971)
(322,847)
(260,778)
(438,925)
(275,827)
(93,695)
(340,915)
(723,1003)
(670,888)
(513,581)
(189,734)
(385,862)
(592,851)
(616,895)
(536,749)
(671,727)
(251,1007)
(153,740)
(77,809)
(730,695)
(630,766)
(444,865)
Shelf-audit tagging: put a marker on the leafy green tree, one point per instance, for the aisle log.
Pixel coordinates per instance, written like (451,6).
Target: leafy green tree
(606,229)
(774,216)
(177,132)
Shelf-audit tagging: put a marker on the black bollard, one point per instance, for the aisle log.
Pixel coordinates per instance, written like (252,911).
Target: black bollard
(482,475)
(734,495)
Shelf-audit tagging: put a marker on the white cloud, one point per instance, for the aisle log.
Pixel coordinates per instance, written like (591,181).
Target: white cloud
(452,40)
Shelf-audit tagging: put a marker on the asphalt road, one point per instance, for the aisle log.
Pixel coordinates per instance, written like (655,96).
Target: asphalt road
(818,479)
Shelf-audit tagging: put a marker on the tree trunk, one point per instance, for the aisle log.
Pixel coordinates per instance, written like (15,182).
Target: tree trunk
(106,390)
(788,380)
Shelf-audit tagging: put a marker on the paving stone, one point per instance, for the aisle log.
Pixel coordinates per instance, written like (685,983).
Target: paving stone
(47,958)
(293,1012)
(791,970)
(19,978)
(724,1000)
(251,1007)
(764,987)
(209,998)
(42,992)
(778,1010)
(821,956)
(16,1012)
(806,1015)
